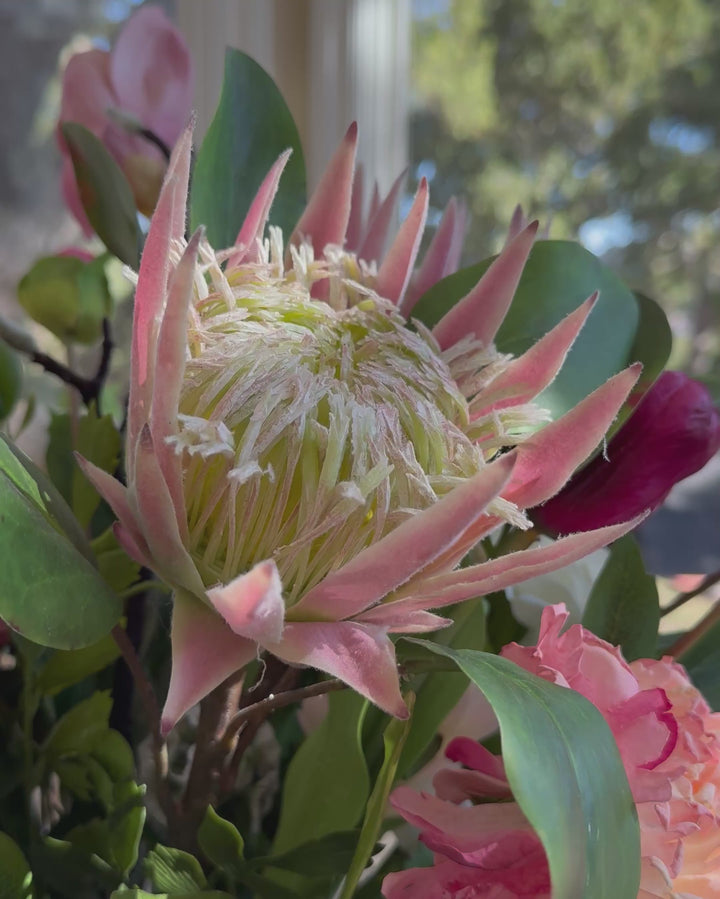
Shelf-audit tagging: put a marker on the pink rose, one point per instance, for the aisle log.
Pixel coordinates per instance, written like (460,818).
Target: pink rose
(669,741)
(147,78)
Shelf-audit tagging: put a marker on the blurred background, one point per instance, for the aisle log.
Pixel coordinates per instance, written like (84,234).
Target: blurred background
(599,118)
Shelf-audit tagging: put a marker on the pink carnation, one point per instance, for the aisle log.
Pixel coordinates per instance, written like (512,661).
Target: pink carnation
(669,741)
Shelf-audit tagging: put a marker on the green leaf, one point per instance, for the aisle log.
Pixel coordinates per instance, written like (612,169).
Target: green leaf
(327,857)
(174,870)
(653,340)
(195,894)
(558,276)
(393,739)
(251,128)
(81,728)
(99,442)
(68,296)
(327,783)
(49,593)
(16,879)
(565,772)
(71,871)
(623,606)
(221,842)
(105,193)
(702,662)
(126,826)
(10,379)
(440,691)
(67,667)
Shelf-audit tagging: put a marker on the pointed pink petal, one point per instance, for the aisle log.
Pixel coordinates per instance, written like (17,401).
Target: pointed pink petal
(326,217)
(359,654)
(252,604)
(354,232)
(169,371)
(157,518)
(531,373)
(443,254)
(375,238)
(116,496)
(152,73)
(137,551)
(497,574)
(384,566)
(548,458)
(204,653)
(518,222)
(396,269)
(254,225)
(374,202)
(482,311)
(179,171)
(404,622)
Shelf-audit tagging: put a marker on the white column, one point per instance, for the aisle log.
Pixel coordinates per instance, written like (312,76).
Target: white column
(334,60)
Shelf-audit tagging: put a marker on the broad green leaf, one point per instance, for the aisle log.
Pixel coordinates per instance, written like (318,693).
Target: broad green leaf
(40,491)
(81,728)
(10,380)
(221,842)
(105,194)
(327,783)
(68,296)
(565,772)
(327,857)
(174,871)
(15,875)
(653,340)
(67,667)
(393,739)
(623,606)
(49,593)
(251,128)
(70,871)
(440,691)
(558,276)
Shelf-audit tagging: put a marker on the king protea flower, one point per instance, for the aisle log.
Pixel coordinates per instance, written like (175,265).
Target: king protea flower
(304,469)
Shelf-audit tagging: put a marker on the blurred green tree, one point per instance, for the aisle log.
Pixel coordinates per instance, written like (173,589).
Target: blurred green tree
(604,117)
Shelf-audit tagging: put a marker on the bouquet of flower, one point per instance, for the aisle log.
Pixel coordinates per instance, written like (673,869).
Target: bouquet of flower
(260,598)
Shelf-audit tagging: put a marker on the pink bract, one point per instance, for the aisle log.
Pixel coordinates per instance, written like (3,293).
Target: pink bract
(669,742)
(342,623)
(147,77)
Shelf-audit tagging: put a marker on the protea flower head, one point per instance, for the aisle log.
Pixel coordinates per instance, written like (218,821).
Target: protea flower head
(305,469)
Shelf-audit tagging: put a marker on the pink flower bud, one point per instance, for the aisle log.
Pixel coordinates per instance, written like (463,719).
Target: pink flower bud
(673,432)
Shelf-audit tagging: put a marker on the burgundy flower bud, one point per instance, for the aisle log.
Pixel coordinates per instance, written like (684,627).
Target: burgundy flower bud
(673,432)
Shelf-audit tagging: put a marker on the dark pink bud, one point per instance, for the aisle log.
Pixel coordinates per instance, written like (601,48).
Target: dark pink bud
(672,433)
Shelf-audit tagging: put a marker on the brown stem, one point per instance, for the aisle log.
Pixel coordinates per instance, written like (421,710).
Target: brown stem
(683,643)
(88,388)
(682,598)
(152,711)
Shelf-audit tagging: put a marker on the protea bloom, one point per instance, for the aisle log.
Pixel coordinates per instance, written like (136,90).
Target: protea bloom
(304,469)
(147,78)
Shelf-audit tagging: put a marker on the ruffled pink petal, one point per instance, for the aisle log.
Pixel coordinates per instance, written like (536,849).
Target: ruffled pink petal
(87,93)
(169,371)
(361,655)
(328,211)
(514,568)
(385,565)
(443,255)
(204,653)
(157,519)
(446,879)
(482,311)
(375,238)
(397,266)
(254,225)
(151,71)
(531,373)
(252,603)
(548,458)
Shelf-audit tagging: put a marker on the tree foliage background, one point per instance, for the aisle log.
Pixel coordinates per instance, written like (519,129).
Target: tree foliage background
(603,117)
